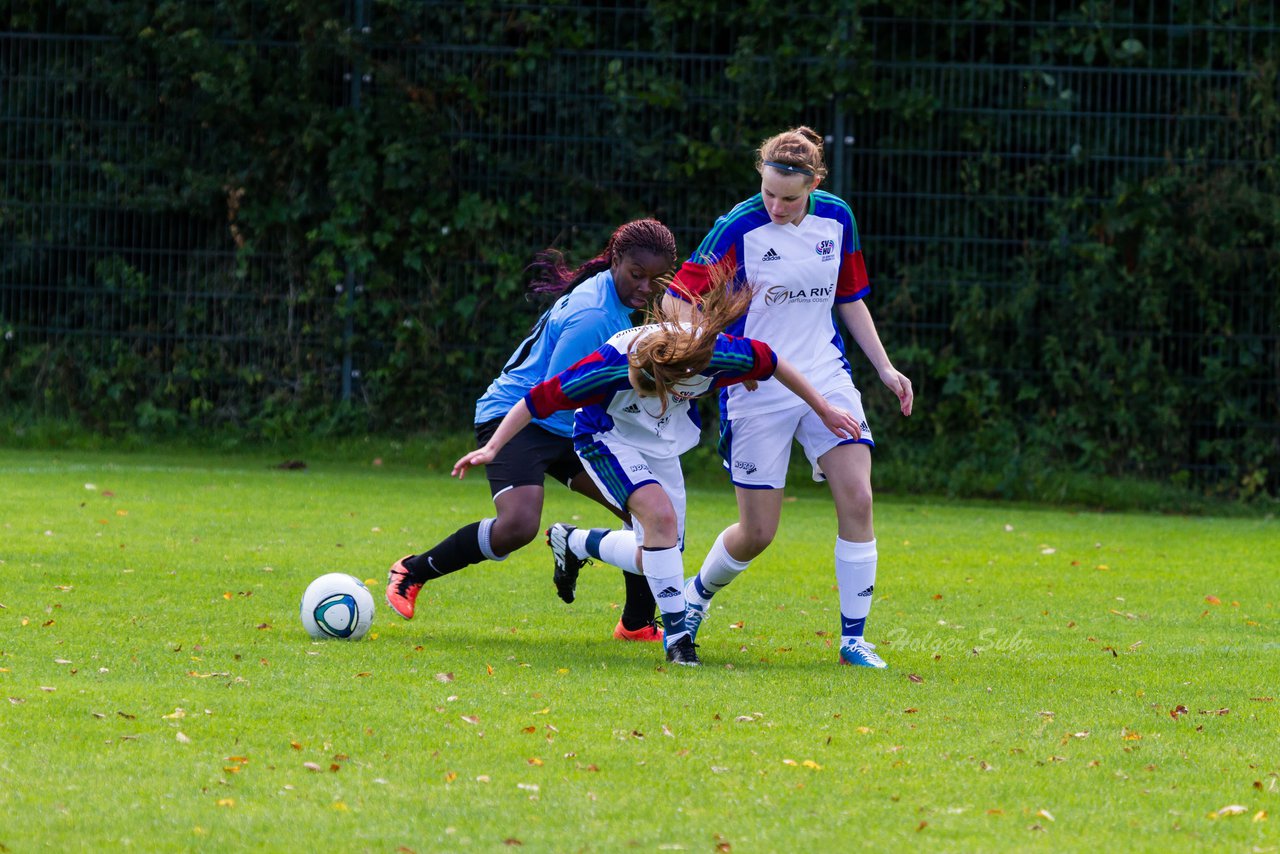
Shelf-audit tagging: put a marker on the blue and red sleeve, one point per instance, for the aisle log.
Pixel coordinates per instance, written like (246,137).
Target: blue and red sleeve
(694,278)
(744,359)
(549,396)
(852,283)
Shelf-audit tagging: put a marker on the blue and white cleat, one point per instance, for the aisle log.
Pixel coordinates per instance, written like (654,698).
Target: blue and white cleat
(860,653)
(693,614)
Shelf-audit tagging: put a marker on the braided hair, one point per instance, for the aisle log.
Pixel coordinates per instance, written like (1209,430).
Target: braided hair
(552,276)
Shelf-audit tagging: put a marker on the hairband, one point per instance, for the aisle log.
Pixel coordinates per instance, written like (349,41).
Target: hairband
(787,167)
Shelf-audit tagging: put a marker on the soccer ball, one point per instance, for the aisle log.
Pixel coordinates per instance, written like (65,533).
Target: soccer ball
(337,605)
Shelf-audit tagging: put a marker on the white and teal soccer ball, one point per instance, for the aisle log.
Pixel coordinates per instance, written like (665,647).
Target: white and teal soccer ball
(337,605)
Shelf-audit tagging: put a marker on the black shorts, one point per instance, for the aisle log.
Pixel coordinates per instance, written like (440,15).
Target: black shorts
(531,454)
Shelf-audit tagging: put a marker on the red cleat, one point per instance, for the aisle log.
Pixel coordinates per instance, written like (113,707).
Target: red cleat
(402,592)
(648,634)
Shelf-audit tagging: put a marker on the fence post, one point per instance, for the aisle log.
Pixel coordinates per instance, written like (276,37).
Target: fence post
(351,283)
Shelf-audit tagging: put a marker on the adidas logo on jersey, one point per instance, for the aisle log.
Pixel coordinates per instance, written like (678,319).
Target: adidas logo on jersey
(632,409)
(868,591)
(771,255)
(669,592)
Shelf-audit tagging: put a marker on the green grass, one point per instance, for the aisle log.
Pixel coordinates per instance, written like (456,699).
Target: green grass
(158,692)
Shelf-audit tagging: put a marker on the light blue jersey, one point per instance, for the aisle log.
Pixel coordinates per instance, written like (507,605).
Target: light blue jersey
(578,323)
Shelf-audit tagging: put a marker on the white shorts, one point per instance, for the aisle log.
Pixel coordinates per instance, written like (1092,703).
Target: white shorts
(619,470)
(757,448)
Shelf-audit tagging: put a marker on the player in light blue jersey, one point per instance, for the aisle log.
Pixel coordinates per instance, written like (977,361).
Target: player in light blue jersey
(634,420)
(594,301)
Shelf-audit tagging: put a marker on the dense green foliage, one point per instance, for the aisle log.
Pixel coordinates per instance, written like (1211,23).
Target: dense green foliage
(227,214)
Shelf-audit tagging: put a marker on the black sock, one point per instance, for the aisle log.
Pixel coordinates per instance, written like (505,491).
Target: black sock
(637,611)
(459,549)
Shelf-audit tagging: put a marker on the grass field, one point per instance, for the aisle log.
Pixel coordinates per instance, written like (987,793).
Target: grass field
(1058,680)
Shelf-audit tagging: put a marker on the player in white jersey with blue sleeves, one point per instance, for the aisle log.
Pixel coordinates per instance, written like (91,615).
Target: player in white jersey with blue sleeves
(634,420)
(797,247)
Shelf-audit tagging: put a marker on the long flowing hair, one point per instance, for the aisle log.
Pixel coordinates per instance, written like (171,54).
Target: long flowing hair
(552,276)
(675,350)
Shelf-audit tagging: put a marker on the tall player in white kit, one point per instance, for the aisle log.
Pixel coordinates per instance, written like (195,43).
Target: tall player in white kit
(798,248)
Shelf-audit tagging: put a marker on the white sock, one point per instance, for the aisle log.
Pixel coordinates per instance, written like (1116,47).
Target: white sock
(577,541)
(718,569)
(612,547)
(664,570)
(856,580)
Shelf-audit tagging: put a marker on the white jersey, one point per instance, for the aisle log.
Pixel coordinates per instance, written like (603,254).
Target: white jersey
(799,273)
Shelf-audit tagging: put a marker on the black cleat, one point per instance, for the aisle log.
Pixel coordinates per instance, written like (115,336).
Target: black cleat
(683,651)
(567,564)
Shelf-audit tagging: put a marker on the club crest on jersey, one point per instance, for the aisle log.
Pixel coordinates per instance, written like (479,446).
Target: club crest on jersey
(771,255)
(826,249)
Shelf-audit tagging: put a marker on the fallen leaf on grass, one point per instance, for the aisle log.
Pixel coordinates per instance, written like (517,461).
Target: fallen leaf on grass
(471,719)
(1260,815)
(915,678)
(1213,600)
(311,766)
(1218,712)
(1046,815)
(226,802)
(1178,711)
(534,761)
(183,738)
(1228,811)
(444,677)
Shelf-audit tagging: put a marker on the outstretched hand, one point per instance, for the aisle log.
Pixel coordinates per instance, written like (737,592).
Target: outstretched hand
(474,458)
(841,423)
(900,386)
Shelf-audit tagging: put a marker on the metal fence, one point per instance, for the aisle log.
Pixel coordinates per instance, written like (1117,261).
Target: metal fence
(928,208)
